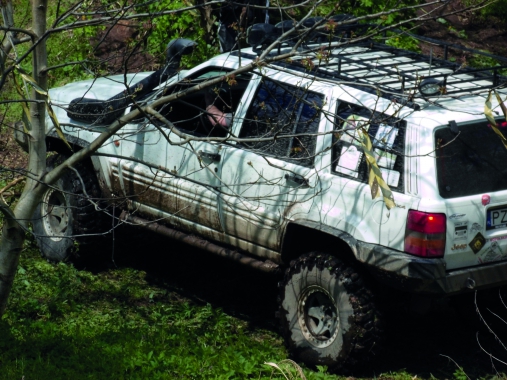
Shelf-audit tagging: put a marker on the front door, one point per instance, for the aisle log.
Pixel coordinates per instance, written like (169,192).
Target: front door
(178,178)
(263,177)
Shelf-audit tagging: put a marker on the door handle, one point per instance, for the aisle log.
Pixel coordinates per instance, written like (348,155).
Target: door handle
(298,179)
(209,156)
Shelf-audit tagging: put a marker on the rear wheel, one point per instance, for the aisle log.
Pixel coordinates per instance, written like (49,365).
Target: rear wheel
(67,214)
(327,314)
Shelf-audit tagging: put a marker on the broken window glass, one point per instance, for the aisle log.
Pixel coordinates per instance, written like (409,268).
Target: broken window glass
(288,118)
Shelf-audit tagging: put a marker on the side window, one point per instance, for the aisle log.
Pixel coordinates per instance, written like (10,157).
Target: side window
(280,110)
(210,111)
(387,135)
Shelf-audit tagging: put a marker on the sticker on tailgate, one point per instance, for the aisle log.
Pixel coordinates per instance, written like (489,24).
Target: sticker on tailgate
(477,243)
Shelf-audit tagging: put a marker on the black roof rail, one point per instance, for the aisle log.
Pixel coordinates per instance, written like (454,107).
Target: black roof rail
(390,69)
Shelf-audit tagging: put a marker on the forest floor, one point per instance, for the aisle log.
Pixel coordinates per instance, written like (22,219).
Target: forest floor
(465,29)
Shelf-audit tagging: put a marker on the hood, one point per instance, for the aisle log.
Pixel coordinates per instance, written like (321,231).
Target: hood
(100,88)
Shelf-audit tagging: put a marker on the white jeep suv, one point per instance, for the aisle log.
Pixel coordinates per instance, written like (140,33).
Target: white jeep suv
(287,182)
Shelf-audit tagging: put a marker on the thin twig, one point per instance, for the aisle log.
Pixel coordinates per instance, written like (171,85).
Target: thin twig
(9,185)
(457,365)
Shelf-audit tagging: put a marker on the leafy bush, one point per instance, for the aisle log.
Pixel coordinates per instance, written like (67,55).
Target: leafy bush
(179,25)
(497,9)
(355,8)
(404,42)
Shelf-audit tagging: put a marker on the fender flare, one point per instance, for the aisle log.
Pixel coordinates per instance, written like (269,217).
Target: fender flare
(353,244)
(55,143)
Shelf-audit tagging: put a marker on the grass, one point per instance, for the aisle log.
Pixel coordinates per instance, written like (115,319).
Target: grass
(131,322)
(167,312)
(67,323)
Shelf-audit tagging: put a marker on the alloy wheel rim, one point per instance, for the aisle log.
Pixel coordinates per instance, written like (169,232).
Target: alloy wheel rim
(55,214)
(318,316)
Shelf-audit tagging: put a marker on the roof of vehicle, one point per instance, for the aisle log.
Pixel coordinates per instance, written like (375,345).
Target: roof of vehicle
(369,66)
(395,73)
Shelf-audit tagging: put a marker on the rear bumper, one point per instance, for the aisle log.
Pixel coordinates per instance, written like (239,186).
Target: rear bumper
(428,276)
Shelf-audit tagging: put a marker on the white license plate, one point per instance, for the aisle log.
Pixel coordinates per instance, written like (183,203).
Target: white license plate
(497,218)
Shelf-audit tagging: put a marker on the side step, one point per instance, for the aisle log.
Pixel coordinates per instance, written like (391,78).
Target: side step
(195,241)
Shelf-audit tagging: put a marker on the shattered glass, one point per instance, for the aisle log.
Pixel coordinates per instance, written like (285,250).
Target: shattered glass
(288,118)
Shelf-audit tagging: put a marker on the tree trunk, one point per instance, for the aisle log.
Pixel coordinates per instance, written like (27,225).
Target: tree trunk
(207,22)
(16,223)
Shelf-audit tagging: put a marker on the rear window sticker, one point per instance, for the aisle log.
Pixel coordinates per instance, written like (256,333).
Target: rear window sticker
(461,230)
(476,227)
(391,177)
(356,122)
(350,158)
(385,136)
(457,216)
(385,159)
(492,253)
(477,243)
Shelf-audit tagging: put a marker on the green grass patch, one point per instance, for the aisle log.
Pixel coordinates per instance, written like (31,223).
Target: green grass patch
(67,323)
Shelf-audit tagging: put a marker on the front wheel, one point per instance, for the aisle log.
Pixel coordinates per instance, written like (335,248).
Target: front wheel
(327,314)
(66,214)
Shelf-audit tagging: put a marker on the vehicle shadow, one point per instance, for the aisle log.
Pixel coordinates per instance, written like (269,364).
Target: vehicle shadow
(429,345)
(197,275)
(449,336)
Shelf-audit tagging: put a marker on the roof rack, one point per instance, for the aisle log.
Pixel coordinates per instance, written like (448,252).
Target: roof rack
(394,70)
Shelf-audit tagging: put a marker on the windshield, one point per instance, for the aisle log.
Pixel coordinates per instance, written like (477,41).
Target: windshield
(473,161)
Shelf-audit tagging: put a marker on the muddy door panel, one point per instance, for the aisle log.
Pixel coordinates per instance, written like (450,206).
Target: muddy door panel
(264,177)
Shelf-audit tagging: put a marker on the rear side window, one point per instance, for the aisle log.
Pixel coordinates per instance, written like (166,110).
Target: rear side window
(472,161)
(279,110)
(387,135)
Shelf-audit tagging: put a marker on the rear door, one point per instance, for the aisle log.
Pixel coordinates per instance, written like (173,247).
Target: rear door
(347,203)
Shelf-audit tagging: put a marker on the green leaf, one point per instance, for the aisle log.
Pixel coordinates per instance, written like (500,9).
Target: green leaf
(488,111)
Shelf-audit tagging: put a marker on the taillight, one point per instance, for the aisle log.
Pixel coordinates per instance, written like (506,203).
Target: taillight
(425,234)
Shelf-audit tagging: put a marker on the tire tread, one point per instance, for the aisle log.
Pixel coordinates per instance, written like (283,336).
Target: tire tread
(367,318)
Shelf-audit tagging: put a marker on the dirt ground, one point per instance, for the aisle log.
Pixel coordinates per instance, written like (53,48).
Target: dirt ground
(11,155)
(466,29)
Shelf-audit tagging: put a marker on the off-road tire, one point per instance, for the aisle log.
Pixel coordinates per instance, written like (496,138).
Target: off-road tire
(66,219)
(327,314)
